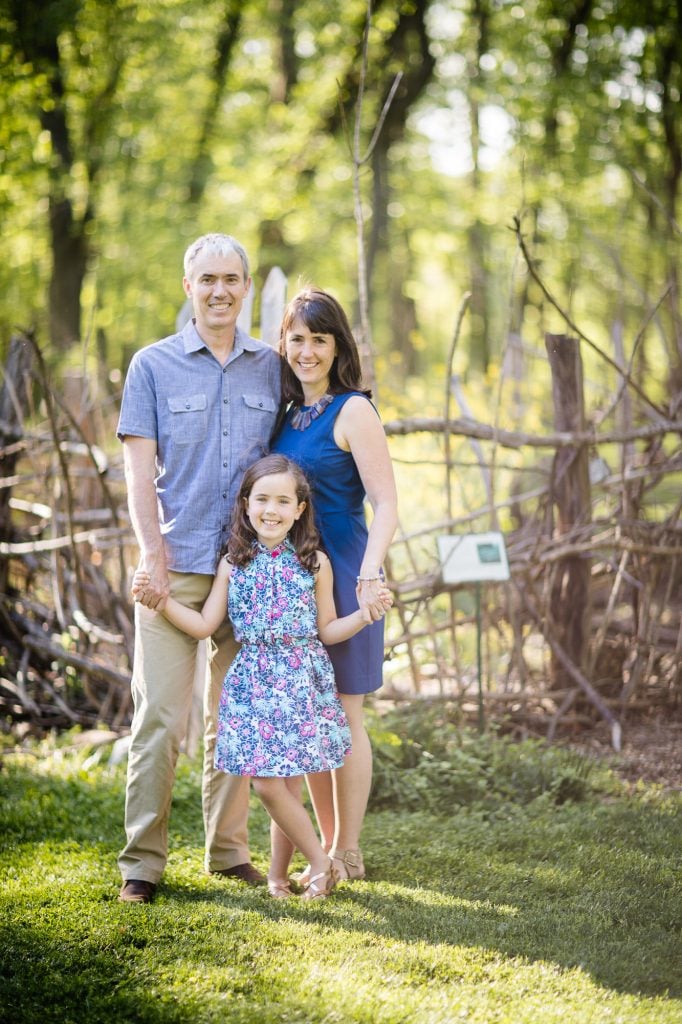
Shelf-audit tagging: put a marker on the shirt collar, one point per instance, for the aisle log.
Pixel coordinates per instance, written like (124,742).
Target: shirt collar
(279,549)
(193,342)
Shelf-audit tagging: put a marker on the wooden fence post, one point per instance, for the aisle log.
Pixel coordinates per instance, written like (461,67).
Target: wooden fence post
(570,595)
(13,405)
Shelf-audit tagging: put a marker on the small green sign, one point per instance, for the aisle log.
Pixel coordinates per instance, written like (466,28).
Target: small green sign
(489,553)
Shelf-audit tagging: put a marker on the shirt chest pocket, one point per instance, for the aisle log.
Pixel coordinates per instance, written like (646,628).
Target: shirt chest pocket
(188,419)
(260,413)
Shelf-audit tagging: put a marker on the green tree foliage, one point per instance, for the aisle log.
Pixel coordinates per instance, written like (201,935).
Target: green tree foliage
(127,127)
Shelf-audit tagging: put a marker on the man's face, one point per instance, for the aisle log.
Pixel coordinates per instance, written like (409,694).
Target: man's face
(217,289)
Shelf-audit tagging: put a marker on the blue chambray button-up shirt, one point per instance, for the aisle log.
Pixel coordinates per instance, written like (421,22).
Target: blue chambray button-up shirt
(209,422)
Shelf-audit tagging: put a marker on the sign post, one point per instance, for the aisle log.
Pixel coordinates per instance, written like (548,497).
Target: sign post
(474,558)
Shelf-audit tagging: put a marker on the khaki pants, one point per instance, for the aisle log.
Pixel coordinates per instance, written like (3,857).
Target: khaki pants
(163,677)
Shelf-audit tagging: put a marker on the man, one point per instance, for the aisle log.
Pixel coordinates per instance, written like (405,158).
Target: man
(198,407)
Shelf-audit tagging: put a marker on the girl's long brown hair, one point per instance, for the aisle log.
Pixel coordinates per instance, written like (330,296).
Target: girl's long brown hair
(241,545)
(322,314)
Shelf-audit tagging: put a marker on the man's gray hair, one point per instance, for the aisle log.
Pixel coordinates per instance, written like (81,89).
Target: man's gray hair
(220,245)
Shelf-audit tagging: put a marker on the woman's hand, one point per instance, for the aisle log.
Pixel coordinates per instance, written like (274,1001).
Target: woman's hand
(374,599)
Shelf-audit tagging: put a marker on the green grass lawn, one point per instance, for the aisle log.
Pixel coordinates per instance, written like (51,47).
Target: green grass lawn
(512,910)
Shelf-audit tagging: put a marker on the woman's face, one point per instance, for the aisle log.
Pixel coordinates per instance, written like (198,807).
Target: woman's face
(310,356)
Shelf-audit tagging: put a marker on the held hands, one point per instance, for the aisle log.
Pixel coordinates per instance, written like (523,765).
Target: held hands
(140,580)
(374,599)
(146,591)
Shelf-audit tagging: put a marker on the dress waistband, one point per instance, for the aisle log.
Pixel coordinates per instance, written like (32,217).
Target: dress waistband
(280,641)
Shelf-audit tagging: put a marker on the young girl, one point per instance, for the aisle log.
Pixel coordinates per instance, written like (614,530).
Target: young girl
(280,716)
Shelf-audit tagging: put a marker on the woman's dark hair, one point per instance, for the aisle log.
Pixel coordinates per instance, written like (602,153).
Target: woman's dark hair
(241,546)
(322,314)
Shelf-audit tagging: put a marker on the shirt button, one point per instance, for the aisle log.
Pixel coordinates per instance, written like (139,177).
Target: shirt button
(225,465)
(187,406)
(224,369)
(260,405)
(224,494)
(225,401)
(224,433)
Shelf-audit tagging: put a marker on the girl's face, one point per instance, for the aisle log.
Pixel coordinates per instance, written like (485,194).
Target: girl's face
(272,507)
(310,355)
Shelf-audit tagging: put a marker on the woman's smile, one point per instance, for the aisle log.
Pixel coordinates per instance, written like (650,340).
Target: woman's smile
(310,355)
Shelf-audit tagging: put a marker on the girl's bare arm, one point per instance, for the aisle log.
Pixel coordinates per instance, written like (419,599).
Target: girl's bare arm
(331,629)
(198,624)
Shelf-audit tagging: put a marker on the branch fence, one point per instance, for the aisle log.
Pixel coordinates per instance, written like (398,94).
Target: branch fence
(586,632)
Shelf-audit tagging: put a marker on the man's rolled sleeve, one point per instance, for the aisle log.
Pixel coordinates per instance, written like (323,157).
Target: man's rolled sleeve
(138,416)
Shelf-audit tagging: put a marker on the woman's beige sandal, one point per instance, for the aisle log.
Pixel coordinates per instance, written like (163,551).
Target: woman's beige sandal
(280,888)
(349,864)
(321,885)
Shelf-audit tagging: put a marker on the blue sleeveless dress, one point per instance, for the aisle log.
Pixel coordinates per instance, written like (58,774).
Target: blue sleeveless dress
(279,712)
(338,497)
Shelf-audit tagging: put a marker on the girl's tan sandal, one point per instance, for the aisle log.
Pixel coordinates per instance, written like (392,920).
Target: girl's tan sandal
(302,877)
(279,888)
(321,885)
(349,864)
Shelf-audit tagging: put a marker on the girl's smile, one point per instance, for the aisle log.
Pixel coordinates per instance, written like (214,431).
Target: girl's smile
(272,508)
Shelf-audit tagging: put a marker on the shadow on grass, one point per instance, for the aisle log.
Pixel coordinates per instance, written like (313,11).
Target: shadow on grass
(47,983)
(596,894)
(639,957)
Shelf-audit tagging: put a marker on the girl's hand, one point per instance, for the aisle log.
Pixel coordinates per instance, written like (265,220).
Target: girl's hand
(372,598)
(141,579)
(151,588)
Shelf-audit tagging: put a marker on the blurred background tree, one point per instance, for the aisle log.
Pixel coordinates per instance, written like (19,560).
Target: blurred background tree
(526,176)
(128,127)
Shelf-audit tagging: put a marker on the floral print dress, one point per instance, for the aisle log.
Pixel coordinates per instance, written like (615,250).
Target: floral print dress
(279,713)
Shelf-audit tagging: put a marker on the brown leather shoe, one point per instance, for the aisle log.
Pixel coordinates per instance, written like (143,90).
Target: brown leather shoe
(134,890)
(244,873)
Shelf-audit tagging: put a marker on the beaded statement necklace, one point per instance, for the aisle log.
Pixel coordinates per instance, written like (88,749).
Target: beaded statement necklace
(302,418)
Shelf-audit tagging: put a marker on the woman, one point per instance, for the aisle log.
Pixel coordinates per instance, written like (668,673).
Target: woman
(332,430)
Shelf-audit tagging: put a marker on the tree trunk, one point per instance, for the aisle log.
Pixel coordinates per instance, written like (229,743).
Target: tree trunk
(286,58)
(69,264)
(68,233)
(560,58)
(409,46)
(202,165)
(668,62)
(570,598)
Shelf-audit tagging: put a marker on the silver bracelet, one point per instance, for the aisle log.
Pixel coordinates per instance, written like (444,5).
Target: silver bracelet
(371,579)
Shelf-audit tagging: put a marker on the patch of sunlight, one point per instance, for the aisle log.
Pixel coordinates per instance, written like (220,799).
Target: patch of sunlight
(432,898)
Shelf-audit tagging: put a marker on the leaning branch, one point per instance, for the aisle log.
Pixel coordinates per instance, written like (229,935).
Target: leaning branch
(574,327)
